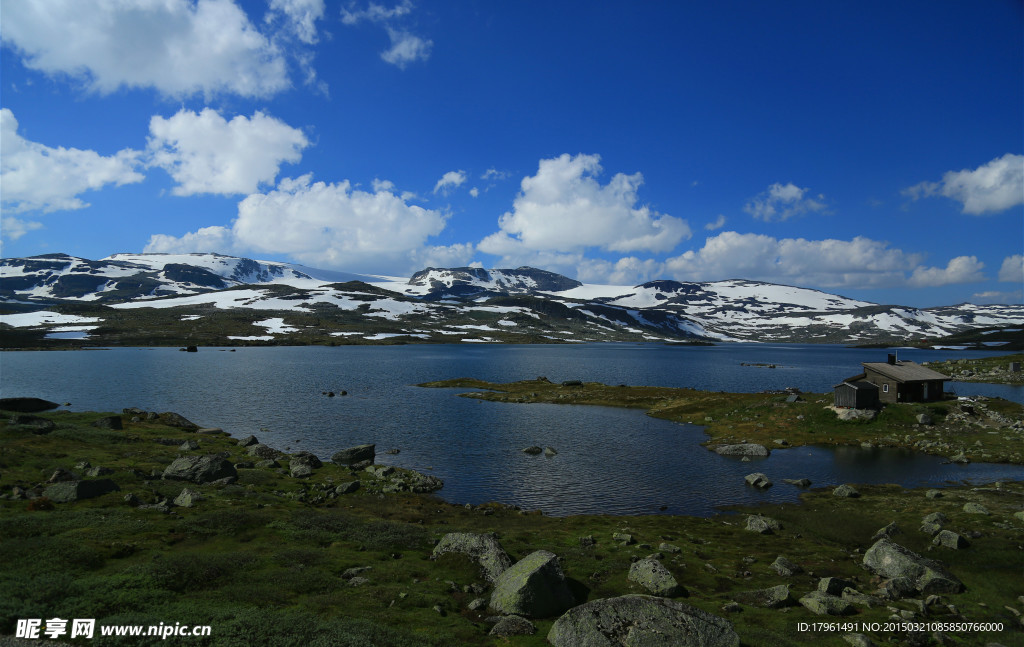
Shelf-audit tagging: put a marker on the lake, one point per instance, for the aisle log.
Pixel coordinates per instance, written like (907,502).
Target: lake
(610,460)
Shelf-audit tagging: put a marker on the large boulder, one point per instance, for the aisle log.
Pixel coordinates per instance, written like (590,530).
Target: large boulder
(68,491)
(200,469)
(641,620)
(302,464)
(758,480)
(825,604)
(485,549)
(534,587)
(36,424)
(265,452)
(774,597)
(893,561)
(742,449)
(653,576)
(354,455)
(172,419)
(762,525)
(26,405)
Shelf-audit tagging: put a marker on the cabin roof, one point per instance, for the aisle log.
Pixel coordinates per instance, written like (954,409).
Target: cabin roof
(905,371)
(857,382)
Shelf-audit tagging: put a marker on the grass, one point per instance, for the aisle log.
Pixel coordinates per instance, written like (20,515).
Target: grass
(261,560)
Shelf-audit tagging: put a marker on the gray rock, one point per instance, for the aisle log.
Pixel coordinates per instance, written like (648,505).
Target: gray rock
(26,405)
(924,419)
(268,463)
(898,588)
(513,626)
(68,491)
(248,441)
(200,469)
(786,568)
(641,621)
(846,491)
(669,548)
(758,480)
(266,452)
(302,464)
(108,422)
(623,538)
(550,451)
(93,472)
(347,488)
(354,455)
(477,604)
(187,498)
(894,561)
(834,585)
(858,640)
(349,573)
(188,446)
(653,576)
(211,431)
(975,508)
(950,539)
(60,474)
(484,549)
(890,530)
(762,525)
(742,449)
(774,597)
(532,449)
(36,424)
(798,482)
(933,494)
(534,587)
(299,470)
(172,419)
(825,604)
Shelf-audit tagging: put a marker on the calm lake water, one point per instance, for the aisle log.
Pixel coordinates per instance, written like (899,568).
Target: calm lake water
(609,461)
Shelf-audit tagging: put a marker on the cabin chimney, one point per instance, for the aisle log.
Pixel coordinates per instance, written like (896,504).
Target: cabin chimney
(892,358)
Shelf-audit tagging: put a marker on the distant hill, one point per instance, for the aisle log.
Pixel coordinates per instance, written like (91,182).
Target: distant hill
(213,299)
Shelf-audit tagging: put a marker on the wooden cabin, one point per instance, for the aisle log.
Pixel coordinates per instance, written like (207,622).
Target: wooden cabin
(890,381)
(857,393)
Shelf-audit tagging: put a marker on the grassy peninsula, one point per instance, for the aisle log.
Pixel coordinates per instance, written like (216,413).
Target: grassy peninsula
(272,557)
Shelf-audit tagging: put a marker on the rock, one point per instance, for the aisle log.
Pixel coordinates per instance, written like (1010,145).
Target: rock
(299,470)
(36,424)
(742,449)
(890,530)
(798,482)
(758,480)
(513,626)
(532,449)
(248,441)
(302,464)
(550,451)
(1019,516)
(572,383)
(950,539)
(211,431)
(933,494)
(825,604)
(786,568)
(477,604)
(68,491)
(485,549)
(93,472)
(975,508)
(641,620)
(349,573)
(846,491)
(856,414)
(762,525)
(653,576)
(354,455)
(623,538)
(60,474)
(669,548)
(172,419)
(834,585)
(187,498)
(26,405)
(587,541)
(347,488)
(858,640)
(924,419)
(188,445)
(898,588)
(534,587)
(774,597)
(268,463)
(265,452)
(200,469)
(108,422)
(894,561)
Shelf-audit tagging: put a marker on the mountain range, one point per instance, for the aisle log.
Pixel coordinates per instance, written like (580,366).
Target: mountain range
(212,299)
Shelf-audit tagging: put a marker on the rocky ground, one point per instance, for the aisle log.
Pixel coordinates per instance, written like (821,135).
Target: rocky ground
(143,517)
(994,370)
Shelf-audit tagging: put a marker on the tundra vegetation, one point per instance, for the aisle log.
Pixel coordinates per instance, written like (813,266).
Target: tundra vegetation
(285,551)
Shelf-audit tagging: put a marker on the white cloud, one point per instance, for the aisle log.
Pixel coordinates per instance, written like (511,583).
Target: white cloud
(1012,270)
(717,224)
(857,263)
(564,209)
(962,269)
(13,228)
(375,13)
(457,255)
(205,153)
(179,47)
(449,181)
(992,187)
(783,201)
(406,48)
(206,239)
(992,297)
(494,174)
(475,192)
(301,16)
(327,225)
(36,177)
(625,271)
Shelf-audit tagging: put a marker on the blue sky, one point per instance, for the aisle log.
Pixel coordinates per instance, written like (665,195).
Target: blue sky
(872,149)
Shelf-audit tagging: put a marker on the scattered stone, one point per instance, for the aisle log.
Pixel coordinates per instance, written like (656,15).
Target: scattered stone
(354,455)
(950,539)
(532,449)
(550,451)
(302,464)
(248,441)
(898,588)
(669,548)
(68,491)
(653,576)
(798,482)
(360,581)
(858,640)
(786,568)
(200,469)
(60,474)
(108,422)
(534,587)
(513,626)
(924,419)
(268,463)
(933,494)
(36,424)
(347,488)
(623,538)
(211,431)
(774,597)
(187,498)
(93,472)
(847,491)
(834,585)
(975,508)
(188,446)
(758,480)
(477,604)
(484,548)
(641,620)
(825,604)
(891,560)
(732,607)
(762,525)
(172,419)
(890,530)
(587,542)
(932,523)
(266,452)
(349,573)
(742,449)
(26,405)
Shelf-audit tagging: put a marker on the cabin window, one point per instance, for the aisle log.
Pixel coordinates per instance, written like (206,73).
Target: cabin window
(885,388)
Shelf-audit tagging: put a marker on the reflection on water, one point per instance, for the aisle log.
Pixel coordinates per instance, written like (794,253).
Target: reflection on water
(609,460)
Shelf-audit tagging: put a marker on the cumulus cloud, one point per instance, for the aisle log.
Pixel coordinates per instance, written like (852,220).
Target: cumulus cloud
(717,224)
(14,228)
(563,208)
(374,13)
(994,297)
(962,269)
(179,47)
(205,153)
(300,16)
(449,181)
(36,177)
(326,225)
(782,202)
(990,188)
(206,239)
(1012,270)
(406,48)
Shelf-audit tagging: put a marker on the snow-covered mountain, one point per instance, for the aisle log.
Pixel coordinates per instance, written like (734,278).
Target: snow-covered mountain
(217,299)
